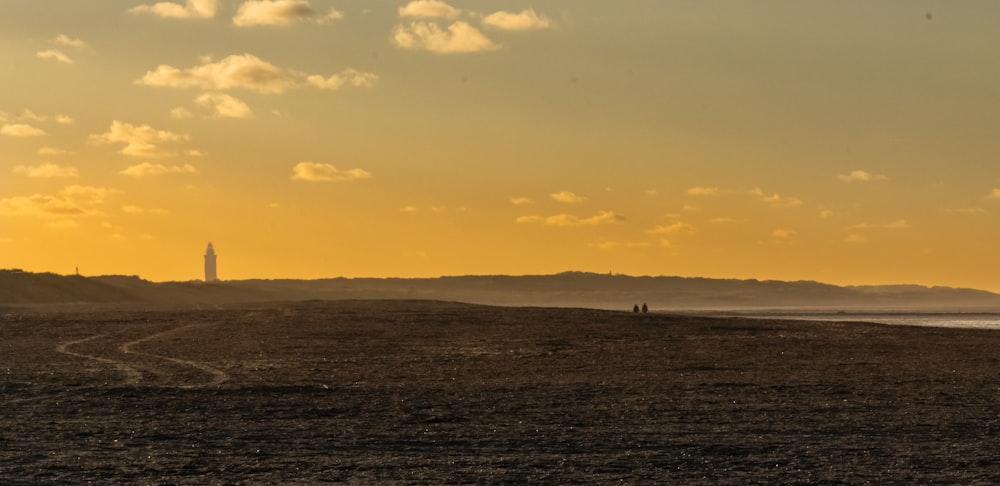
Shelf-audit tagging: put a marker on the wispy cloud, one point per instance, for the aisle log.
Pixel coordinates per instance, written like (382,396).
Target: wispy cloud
(521,201)
(69,203)
(192,9)
(53,151)
(280,13)
(318,172)
(783,234)
(569,220)
(65,40)
(45,171)
(224,106)
(899,224)
(525,20)
(429,9)
(855,238)
(142,210)
(672,229)
(861,176)
(249,72)
(20,130)
(994,194)
(54,55)
(149,169)
(703,191)
(608,245)
(567,197)
(138,140)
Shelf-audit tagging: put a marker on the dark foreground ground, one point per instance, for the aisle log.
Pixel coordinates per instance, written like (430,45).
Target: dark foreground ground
(424,392)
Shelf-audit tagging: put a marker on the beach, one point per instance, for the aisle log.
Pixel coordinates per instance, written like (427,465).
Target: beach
(434,392)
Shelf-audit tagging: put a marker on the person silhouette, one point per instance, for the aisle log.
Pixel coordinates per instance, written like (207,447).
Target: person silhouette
(635,308)
(644,308)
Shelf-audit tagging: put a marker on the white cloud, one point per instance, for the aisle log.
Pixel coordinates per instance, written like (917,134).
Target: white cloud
(568,220)
(429,9)
(192,9)
(181,113)
(280,12)
(520,201)
(567,197)
(248,72)
(21,130)
(855,238)
(777,200)
(460,37)
(70,202)
(139,141)
(861,176)
(54,55)
(65,40)
(64,120)
(142,210)
(898,224)
(147,169)
(53,151)
(672,229)
(224,106)
(45,171)
(703,191)
(317,172)
(525,20)
(351,77)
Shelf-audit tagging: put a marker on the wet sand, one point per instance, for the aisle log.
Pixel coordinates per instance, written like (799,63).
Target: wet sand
(430,392)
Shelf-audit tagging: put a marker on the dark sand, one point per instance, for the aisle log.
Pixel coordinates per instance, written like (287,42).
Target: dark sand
(424,392)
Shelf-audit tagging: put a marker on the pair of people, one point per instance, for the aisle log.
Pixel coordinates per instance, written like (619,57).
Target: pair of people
(636,309)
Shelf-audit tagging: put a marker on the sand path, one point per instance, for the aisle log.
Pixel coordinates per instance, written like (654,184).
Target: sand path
(136,371)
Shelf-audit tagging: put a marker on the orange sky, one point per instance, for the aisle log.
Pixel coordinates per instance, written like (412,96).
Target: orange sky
(850,142)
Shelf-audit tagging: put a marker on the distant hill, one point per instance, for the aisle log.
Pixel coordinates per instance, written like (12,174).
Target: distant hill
(569,289)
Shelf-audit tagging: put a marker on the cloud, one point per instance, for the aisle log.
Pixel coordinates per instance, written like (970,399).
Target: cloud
(224,106)
(567,197)
(429,9)
(566,220)
(141,210)
(280,13)
(525,20)
(899,224)
(45,171)
(776,200)
(861,176)
(64,120)
(614,245)
(21,130)
(351,77)
(192,9)
(704,191)
(782,234)
(148,169)
(139,141)
(672,229)
(317,172)
(855,238)
(70,202)
(54,55)
(408,209)
(181,113)
(53,151)
(248,72)
(459,38)
(994,194)
(65,40)
(521,201)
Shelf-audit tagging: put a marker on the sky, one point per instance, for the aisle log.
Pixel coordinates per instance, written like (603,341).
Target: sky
(848,142)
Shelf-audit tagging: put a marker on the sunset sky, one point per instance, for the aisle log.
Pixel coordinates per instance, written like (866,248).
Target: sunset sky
(849,142)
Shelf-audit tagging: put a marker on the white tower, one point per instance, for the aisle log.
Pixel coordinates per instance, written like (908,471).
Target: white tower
(210,275)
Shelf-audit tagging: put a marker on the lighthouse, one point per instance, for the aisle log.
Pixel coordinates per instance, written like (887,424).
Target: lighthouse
(210,275)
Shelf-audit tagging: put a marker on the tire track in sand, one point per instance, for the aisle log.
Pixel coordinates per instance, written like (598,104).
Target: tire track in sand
(136,374)
(217,376)
(132,375)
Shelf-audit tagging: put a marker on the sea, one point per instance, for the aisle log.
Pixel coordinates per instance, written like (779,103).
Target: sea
(951,320)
